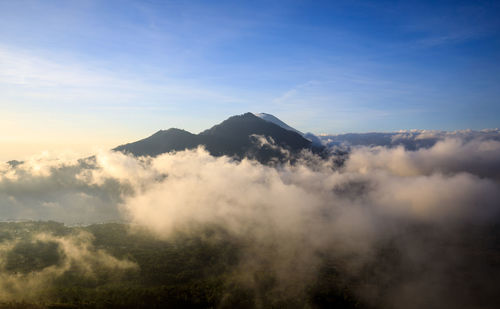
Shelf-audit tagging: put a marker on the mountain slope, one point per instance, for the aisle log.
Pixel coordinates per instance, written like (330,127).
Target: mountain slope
(232,137)
(316,142)
(275,120)
(161,142)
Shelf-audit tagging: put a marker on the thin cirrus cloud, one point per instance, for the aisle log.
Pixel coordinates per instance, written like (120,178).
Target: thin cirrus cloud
(138,67)
(34,73)
(49,104)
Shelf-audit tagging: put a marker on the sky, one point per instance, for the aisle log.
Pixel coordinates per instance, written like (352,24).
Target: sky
(84,75)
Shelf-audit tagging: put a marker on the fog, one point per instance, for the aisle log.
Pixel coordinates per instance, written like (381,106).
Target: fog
(425,204)
(74,253)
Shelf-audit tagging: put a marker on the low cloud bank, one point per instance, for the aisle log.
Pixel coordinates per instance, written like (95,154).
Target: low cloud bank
(294,214)
(397,224)
(409,139)
(450,156)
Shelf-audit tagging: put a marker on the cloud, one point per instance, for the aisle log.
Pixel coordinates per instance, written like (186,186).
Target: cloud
(448,156)
(73,253)
(409,139)
(291,213)
(415,205)
(51,189)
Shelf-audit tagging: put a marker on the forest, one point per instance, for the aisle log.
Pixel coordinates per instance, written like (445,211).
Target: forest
(195,269)
(119,265)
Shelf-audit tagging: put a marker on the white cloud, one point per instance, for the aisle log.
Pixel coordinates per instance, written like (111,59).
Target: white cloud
(287,214)
(76,253)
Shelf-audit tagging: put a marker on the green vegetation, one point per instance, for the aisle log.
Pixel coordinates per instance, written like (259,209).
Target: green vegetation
(49,265)
(196,269)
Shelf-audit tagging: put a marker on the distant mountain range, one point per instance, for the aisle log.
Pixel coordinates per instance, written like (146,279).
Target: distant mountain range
(237,137)
(409,139)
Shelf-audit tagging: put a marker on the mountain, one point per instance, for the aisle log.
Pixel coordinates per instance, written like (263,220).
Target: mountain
(316,141)
(161,142)
(235,137)
(275,120)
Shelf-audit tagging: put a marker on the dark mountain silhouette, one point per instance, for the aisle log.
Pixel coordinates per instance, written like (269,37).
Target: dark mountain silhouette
(235,137)
(161,142)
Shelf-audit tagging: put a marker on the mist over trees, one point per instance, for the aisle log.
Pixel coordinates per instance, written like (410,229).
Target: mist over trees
(364,227)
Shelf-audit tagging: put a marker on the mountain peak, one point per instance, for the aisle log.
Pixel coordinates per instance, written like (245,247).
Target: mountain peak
(232,137)
(160,142)
(249,123)
(277,121)
(170,131)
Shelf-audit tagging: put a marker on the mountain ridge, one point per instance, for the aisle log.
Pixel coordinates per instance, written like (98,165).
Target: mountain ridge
(231,137)
(277,121)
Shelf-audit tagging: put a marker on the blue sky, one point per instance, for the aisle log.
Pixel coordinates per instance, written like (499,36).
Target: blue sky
(100,73)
